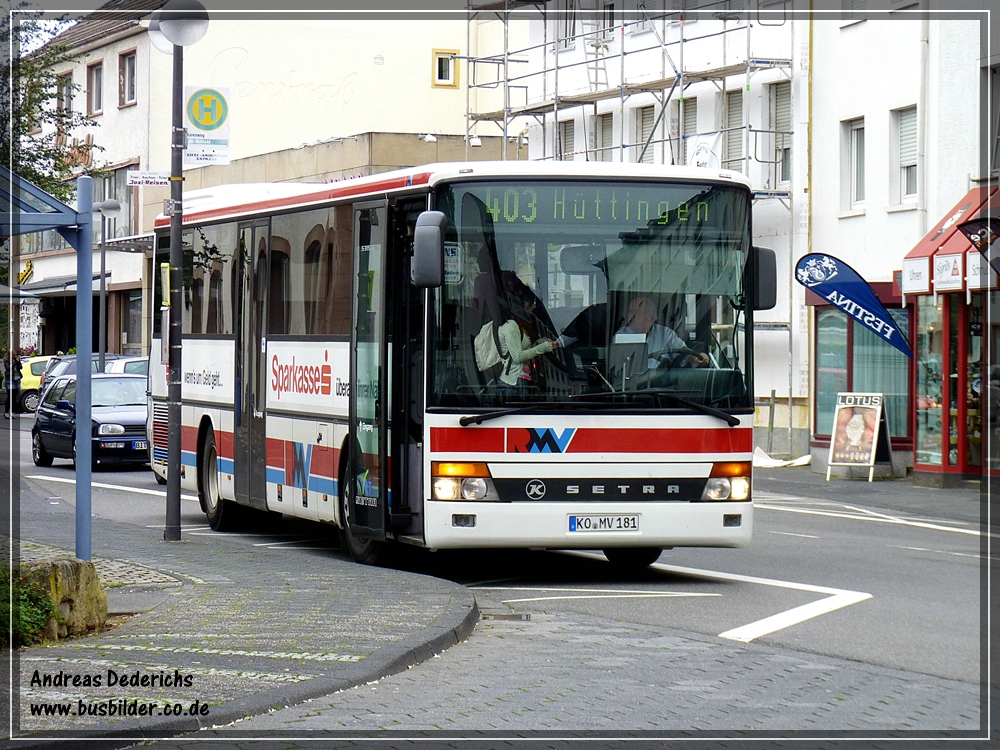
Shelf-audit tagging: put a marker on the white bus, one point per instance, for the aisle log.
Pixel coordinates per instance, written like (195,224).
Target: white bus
(330,336)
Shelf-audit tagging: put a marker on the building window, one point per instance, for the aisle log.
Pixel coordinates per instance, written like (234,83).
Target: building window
(645,117)
(906,124)
(608,20)
(126,79)
(733,155)
(95,88)
(445,68)
(606,137)
(64,93)
(850,357)
(690,121)
(781,94)
(855,168)
(994,135)
(566,29)
(567,140)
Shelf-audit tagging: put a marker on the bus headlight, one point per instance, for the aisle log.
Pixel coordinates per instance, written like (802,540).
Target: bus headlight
(462,481)
(728,481)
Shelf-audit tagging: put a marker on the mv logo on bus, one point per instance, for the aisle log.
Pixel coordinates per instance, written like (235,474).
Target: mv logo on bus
(546,440)
(298,459)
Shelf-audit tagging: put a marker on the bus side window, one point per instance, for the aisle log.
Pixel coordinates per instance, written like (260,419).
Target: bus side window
(277,303)
(341,238)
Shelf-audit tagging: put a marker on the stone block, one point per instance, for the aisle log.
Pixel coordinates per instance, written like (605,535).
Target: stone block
(77,594)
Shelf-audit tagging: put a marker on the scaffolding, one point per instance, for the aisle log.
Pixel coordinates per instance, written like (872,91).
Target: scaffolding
(526,85)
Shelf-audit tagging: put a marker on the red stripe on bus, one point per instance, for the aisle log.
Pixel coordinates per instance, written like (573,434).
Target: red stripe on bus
(324,460)
(275,453)
(466,440)
(667,440)
(225,445)
(189,439)
(370,188)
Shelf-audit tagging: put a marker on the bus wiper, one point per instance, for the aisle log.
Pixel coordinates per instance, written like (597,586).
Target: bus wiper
(486,416)
(694,405)
(557,405)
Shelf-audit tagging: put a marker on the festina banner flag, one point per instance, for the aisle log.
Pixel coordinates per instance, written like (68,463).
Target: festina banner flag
(841,286)
(982,232)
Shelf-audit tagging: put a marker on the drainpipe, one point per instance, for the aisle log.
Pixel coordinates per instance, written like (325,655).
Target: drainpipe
(922,121)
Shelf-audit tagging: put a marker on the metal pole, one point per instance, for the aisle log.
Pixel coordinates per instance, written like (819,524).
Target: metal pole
(84,351)
(102,334)
(172,529)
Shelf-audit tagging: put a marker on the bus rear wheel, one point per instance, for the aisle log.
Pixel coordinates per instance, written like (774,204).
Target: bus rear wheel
(632,557)
(223,515)
(361,550)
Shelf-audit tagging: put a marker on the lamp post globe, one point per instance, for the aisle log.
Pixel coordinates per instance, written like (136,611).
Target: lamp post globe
(183,22)
(156,37)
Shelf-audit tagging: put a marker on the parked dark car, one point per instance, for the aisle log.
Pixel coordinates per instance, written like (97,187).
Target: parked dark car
(118,420)
(65,364)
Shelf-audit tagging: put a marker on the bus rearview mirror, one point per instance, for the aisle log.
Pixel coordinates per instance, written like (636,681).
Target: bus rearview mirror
(427,267)
(765,278)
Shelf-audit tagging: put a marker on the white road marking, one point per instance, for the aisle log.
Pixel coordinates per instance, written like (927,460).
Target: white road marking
(293,541)
(877,518)
(788,533)
(588,594)
(136,490)
(936,551)
(836,599)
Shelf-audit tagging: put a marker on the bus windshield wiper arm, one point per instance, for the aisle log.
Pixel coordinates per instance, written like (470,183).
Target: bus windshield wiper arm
(487,416)
(703,408)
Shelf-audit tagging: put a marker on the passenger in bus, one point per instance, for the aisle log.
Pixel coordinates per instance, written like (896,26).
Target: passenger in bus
(515,334)
(662,343)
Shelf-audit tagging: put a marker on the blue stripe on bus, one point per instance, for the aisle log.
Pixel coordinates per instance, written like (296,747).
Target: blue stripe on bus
(225,465)
(323,485)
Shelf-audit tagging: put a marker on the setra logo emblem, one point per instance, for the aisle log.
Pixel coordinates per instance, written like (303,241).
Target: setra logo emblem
(535,489)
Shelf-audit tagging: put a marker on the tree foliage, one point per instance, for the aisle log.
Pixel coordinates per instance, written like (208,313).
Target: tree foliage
(39,146)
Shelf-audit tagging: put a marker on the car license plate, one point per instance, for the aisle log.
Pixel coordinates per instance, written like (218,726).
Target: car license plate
(139,445)
(604,522)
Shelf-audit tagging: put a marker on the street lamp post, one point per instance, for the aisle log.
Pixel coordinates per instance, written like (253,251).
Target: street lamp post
(110,209)
(181,23)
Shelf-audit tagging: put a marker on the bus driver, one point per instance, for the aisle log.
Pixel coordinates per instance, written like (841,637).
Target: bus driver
(641,318)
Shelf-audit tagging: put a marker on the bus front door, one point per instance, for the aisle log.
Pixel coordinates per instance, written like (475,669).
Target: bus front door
(249,438)
(367,491)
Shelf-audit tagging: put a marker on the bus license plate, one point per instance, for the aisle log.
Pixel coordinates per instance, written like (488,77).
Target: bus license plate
(604,523)
(139,445)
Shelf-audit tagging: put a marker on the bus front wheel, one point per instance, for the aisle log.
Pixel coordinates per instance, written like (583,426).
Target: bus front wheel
(632,557)
(362,550)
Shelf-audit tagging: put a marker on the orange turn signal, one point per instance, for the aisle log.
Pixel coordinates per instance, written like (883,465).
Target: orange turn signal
(731,469)
(447,469)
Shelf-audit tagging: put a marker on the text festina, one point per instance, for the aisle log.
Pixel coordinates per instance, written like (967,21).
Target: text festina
(866,317)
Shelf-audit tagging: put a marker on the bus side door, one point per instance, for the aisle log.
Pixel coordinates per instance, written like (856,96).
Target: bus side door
(368,491)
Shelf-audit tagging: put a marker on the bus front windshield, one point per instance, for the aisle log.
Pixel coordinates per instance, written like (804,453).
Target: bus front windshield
(583,291)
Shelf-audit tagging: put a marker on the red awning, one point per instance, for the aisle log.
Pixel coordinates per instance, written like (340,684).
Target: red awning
(937,262)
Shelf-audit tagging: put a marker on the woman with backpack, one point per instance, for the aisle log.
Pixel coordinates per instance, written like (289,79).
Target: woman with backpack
(515,336)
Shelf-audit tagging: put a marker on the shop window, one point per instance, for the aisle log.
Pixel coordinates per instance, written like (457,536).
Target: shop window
(132,324)
(930,396)
(849,357)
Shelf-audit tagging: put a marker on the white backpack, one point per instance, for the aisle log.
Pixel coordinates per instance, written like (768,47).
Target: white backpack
(487,344)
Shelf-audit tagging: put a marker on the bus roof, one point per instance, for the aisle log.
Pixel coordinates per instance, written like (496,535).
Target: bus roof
(230,201)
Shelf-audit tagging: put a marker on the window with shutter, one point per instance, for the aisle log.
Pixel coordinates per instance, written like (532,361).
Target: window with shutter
(644,128)
(734,131)
(690,107)
(567,140)
(782,93)
(606,136)
(908,151)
